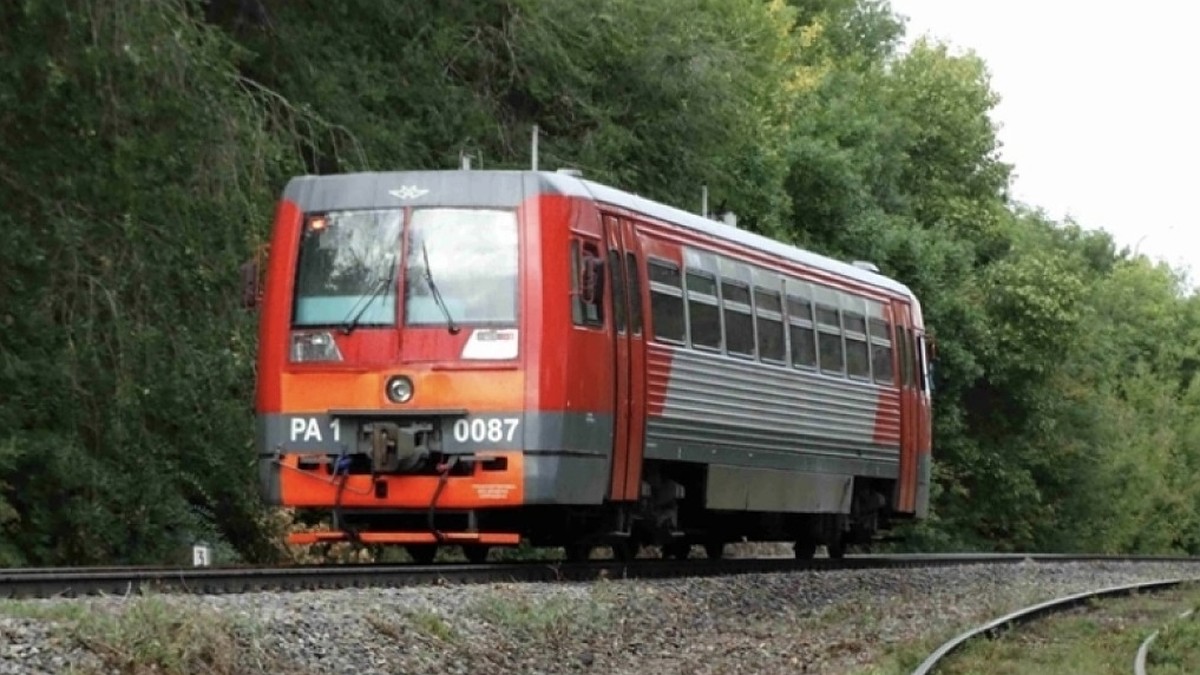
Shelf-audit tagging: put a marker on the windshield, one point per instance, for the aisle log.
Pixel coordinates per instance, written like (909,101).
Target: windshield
(472,262)
(346,260)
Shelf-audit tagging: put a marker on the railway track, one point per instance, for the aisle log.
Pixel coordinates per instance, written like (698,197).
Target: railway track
(1143,652)
(1032,613)
(71,582)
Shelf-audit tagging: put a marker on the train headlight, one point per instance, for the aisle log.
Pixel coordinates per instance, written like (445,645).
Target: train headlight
(319,346)
(399,389)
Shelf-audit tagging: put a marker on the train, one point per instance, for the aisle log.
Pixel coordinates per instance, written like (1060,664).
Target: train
(495,358)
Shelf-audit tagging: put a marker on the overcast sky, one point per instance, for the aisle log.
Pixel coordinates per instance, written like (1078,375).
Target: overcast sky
(1099,111)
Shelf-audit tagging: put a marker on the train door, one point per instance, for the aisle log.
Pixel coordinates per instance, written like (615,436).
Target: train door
(628,351)
(637,359)
(905,498)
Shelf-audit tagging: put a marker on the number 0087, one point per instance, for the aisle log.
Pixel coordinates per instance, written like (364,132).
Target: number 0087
(486,430)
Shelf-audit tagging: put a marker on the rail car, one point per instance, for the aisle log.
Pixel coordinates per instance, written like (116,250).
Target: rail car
(479,358)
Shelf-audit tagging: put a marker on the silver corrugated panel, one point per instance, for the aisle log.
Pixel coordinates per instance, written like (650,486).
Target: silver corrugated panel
(716,404)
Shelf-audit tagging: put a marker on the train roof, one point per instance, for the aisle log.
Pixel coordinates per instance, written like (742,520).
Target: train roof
(508,187)
(721,230)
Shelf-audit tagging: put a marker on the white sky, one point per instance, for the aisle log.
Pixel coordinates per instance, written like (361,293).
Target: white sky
(1099,111)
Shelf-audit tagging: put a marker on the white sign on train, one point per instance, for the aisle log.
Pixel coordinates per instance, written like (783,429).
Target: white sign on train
(308,430)
(491,429)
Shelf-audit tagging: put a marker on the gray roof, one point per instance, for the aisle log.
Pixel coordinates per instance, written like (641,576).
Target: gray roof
(508,187)
(715,228)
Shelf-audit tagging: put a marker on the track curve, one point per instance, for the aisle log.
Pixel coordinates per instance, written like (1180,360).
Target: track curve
(1031,613)
(1143,652)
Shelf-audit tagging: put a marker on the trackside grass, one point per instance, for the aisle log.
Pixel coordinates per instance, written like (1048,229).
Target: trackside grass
(1176,651)
(148,634)
(555,619)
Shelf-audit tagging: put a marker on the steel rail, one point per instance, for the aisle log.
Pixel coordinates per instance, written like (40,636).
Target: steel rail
(1028,614)
(1139,662)
(71,582)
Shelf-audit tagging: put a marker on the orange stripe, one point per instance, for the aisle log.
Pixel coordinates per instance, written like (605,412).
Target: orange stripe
(472,390)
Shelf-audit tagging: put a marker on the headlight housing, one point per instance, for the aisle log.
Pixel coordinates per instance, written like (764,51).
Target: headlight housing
(399,389)
(314,346)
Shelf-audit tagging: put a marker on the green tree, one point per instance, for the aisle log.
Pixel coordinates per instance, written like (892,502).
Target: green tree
(139,169)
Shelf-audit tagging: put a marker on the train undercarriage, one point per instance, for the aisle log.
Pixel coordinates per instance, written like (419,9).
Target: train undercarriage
(671,516)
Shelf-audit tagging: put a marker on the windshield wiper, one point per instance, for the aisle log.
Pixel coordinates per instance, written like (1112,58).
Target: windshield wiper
(437,295)
(350,323)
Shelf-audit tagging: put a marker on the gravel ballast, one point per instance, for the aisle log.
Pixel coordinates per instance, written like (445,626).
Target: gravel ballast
(801,622)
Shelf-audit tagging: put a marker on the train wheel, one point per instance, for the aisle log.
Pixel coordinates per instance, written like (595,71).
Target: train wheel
(715,550)
(577,553)
(422,554)
(836,549)
(805,549)
(476,554)
(624,551)
(678,551)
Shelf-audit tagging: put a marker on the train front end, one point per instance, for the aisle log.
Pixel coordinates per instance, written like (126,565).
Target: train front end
(391,383)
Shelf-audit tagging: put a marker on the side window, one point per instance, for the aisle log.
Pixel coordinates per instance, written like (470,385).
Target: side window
(635,293)
(587,284)
(768,313)
(619,301)
(829,336)
(666,302)
(704,317)
(858,354)
(739,321)
(918,363)
(881,351)
(800,326)
(926,370)
(907,376)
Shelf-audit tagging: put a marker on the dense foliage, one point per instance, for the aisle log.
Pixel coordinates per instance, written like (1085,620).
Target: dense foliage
(145,141)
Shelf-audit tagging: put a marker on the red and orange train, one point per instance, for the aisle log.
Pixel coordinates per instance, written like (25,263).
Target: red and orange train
(477,358)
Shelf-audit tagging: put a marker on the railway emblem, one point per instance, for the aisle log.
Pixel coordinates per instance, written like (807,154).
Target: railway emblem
(408,192)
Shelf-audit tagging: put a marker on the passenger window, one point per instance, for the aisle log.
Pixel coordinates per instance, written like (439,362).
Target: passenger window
(855,322)
(799,308)
(800,330)
(704,317)
(736,292)
(858,354)
(587,284)
(881,330)
(739,324)
(881,351)
(858,358)
(831,357)
(666,302)
(769,318)
(828,316)
(702,282)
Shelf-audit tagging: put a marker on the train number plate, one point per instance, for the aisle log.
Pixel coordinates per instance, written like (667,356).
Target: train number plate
(483,431)
(319,430)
